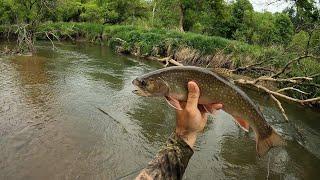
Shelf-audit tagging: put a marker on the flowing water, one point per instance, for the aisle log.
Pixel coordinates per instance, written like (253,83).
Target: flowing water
(51,127)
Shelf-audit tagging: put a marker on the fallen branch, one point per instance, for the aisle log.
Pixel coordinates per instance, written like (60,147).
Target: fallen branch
(277,94)
(280,107)
(167,60)
(295,80)
(250,66)
(53,46)
(291,88)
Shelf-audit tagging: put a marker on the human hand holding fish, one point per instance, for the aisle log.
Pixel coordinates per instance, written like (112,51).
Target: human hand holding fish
(171,83)
(193,117)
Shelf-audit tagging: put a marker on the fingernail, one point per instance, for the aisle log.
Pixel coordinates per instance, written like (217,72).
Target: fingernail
(190,86)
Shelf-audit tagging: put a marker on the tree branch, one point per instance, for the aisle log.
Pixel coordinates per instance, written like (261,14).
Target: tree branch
(295,80)
(280,107)
(291,88)
(277,94)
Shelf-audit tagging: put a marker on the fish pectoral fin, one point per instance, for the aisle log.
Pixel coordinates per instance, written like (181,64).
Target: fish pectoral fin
(173,102)
(242,123)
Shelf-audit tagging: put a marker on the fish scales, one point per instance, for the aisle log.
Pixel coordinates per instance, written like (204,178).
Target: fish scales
(213,89)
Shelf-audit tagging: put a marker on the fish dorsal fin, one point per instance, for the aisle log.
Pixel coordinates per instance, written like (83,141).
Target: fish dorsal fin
(242,123)
(173,102)
(223,73)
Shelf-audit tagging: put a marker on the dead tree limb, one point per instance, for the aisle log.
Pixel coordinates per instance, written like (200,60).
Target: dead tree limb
(277,94)
(291,88)
(167,60)
(295,80)
(53,46)
(47,34)
(248,66)
(280,107)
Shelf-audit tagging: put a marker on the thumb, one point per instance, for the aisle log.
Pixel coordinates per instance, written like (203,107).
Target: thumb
(193,95)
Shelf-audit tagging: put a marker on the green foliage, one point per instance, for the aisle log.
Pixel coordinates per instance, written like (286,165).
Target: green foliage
(92,13)
(299,42)
(69,10)
(6,12)
(283,28)
(234,20)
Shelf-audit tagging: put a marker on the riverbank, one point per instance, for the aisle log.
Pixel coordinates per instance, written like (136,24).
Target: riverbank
(184,48)
(49,110)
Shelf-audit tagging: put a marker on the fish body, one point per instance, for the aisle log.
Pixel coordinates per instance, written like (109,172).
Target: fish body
(172,83)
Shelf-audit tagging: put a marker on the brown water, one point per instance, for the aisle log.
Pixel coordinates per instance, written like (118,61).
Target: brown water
(50,127)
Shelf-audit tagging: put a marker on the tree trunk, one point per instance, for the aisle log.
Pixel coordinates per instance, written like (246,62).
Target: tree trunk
(181,14)
(153,12)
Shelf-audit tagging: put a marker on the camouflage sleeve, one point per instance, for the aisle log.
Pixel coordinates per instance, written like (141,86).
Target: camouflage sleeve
(170,162)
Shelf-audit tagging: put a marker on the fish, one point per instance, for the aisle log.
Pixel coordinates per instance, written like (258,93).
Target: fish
(171,83)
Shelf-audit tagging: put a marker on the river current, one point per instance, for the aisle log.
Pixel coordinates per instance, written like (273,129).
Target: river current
(51,126)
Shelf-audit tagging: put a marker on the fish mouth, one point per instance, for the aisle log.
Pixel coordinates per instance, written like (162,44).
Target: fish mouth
(139,91)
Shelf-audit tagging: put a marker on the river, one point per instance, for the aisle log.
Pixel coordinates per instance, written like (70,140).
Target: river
(51,127)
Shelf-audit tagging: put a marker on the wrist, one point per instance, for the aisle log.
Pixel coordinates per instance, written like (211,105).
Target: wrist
(188,137)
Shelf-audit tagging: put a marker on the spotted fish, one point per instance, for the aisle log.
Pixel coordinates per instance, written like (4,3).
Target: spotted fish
(171,83)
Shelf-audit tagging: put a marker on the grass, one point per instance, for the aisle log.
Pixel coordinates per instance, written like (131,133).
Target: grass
(147,39)
(160,42)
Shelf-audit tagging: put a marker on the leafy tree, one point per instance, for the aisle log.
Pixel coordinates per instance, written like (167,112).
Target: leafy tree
(7,12)
(284,28)
(70,10)
(119,11)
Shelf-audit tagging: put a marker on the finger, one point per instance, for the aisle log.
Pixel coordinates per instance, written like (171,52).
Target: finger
(173,103)
(182,105)
(193,95)
(211,108)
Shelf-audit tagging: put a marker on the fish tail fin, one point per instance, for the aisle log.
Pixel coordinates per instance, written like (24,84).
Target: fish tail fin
(265,144)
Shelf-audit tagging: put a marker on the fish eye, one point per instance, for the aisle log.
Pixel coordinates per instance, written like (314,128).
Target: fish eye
(143,83)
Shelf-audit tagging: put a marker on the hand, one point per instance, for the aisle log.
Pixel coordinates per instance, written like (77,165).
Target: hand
(192,118)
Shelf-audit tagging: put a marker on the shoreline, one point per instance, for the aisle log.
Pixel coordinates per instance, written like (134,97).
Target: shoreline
(176,48)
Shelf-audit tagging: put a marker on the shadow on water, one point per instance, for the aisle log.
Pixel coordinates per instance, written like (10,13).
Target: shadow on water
(51,129)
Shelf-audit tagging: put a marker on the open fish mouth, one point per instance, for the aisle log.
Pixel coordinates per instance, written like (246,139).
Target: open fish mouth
(140,92)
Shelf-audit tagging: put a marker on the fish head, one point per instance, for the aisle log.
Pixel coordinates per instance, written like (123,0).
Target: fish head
(150,86)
